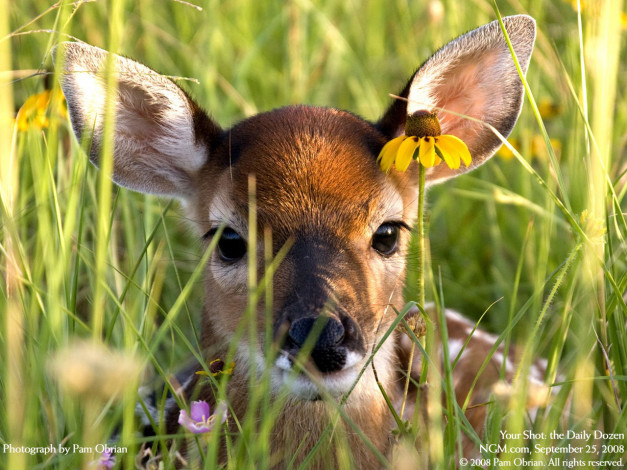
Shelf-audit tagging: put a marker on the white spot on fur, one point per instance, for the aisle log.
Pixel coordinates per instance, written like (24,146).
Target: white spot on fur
(352,359)
(453,316)
(499,358)
(283,362)
(454,348)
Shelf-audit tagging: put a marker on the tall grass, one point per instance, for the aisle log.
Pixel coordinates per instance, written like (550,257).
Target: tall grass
(534,244)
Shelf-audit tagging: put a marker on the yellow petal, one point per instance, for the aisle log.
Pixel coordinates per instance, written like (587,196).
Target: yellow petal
(42,101)
(453,149)
(40,121)
(30,104)
(388,152)
(405,153)
(22,120)
(427,152)
(464,153)
(449,158)
(61,106)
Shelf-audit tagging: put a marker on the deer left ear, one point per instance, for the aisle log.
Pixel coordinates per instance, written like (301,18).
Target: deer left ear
(161,137)
(475,76)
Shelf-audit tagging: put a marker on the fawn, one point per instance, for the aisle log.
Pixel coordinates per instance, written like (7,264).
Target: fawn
(320,190)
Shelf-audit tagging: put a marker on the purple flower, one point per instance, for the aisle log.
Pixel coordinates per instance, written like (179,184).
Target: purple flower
(201,419)
(106,460)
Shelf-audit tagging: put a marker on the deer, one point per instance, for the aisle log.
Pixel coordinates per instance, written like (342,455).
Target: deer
(320,191)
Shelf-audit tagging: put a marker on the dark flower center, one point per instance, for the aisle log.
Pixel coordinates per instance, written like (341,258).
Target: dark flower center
(423,124)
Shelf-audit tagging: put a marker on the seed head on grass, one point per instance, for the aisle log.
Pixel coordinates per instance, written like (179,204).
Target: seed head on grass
(538,395)
(92,370)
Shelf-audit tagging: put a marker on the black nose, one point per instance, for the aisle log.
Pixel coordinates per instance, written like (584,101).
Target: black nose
(329,351)
(331,333)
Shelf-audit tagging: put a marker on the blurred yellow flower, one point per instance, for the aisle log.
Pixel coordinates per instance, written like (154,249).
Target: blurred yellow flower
(422,134)
(573,3)
(549,109)
(594,227)
(539,150)
(591,7)
(505,153)
(596,9)
(34,111)
(537,147)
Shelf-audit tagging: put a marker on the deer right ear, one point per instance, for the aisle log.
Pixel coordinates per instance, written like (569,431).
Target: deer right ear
(161,138)
(472,76)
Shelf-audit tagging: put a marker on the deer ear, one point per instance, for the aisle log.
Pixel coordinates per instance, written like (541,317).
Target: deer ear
(473,75)
(161,138)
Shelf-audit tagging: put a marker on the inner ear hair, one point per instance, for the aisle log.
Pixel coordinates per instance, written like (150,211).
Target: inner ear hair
(162,137)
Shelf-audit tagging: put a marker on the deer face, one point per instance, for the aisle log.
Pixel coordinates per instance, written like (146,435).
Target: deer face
(318,189)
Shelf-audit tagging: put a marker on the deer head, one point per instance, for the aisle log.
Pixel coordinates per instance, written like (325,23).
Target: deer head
(318,189)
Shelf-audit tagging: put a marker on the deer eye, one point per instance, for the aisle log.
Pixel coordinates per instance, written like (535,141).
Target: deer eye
(231,246)
(385,239)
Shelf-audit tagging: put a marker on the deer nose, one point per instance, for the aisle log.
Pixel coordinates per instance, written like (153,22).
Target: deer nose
(331,334)
(329,351)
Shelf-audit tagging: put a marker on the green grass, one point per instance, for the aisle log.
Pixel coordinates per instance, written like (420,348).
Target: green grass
(81,258)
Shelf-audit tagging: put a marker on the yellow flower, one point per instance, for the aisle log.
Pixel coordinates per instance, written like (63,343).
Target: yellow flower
(573,3)
(33,112)
(537,148)
(505,153)
(549,109)
(423,141)
(217,367)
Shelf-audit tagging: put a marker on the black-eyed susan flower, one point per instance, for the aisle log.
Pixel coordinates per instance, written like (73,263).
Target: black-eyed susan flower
(423,141)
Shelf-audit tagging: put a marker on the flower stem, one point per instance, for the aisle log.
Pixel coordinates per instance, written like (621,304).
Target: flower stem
(421,235)
(421,271)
